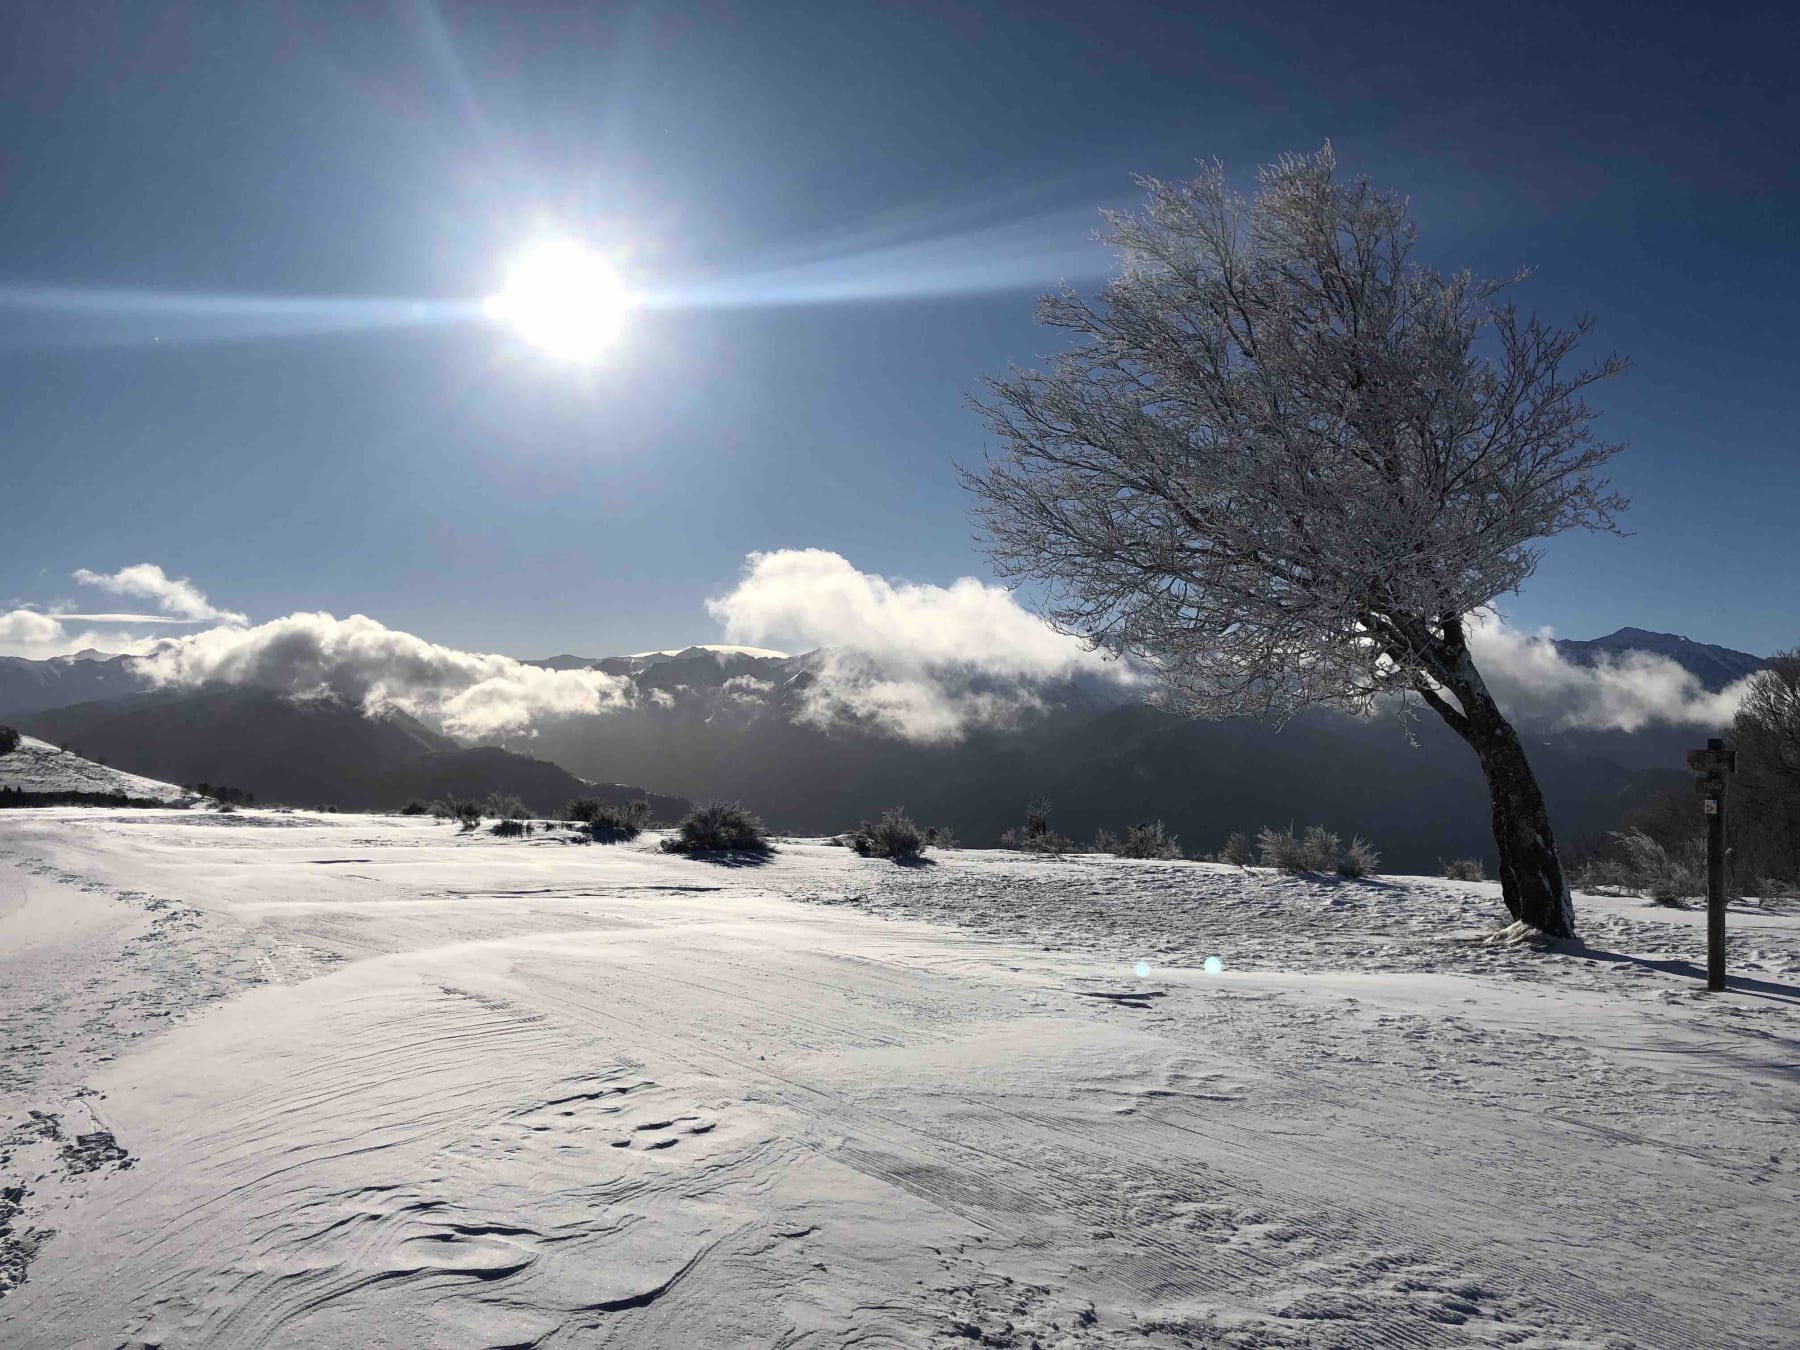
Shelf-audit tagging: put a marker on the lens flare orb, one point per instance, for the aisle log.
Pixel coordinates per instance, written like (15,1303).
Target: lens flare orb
(564,299)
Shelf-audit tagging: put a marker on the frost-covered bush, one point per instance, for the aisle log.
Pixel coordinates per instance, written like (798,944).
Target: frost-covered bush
(1288,851)
(1237,850)
(1358,860)
(1036,836)
(510,827)
(9,740)
(1639,865)
(941,836)
(719,827)
(893,836)
(1316,850)
(609,823)
(460,809)
(1464,869)
(1148,840)
(505,805)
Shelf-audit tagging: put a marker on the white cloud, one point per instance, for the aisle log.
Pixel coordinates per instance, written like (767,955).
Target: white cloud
(1537,685)
(747,689)
(919,661)
(28,628)
(176,597)
(39,636)
(381,668)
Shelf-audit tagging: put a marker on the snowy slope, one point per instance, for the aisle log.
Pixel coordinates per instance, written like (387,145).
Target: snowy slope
(369,1081)
(38,766)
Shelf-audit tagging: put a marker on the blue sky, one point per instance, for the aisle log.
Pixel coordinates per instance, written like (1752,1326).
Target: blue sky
(883,190)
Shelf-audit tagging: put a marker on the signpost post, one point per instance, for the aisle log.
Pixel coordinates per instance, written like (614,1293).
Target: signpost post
(1713,764)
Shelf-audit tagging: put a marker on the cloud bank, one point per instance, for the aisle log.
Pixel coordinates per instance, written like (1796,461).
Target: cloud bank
(1538,686)
(383,669)
(919,662)
(922,662)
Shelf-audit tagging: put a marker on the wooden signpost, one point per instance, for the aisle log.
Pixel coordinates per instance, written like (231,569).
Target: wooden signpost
(1713,764)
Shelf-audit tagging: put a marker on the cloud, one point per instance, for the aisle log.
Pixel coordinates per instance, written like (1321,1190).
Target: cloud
(1538,686)
(28,628)
(383,669)
(176,597)
(39,636)
(918,661)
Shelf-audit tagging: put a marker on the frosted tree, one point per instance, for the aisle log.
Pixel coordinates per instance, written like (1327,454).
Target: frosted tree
(1283,461)
(1766,731)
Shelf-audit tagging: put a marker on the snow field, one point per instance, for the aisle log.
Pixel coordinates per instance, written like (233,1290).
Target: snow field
(366,1081)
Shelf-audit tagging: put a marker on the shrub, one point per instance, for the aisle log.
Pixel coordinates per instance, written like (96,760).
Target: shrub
(1464,869)
(1036,836)
(9,740)
(1237,850)
(510,827)
(719,827)
(1317,850)
(941,836)
(1358,860)
(1288,851)
(505,805)
(415,807)
(893,836)
(1640,865)
(1147,840)
(609,823)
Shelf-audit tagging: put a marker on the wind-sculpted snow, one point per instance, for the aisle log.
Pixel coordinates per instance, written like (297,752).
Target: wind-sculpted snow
(555,1094)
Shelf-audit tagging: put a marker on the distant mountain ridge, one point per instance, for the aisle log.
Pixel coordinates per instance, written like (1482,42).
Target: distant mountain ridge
(724,722)
(310,752)
(1714,666)
(31,686)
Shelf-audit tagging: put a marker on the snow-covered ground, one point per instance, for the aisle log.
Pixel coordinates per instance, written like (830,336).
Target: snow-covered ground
(308,1080)
(38,766)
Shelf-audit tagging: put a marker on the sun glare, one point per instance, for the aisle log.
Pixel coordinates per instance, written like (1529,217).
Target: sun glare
(565,299)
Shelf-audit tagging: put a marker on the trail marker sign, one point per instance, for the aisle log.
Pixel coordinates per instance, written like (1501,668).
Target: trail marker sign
(1714,764)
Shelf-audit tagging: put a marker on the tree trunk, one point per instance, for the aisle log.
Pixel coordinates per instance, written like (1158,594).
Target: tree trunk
(1531,875)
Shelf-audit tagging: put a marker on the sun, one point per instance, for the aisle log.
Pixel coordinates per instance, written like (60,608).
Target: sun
(563,298)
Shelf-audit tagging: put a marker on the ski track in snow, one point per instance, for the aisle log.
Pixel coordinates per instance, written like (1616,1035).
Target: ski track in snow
(282,1079)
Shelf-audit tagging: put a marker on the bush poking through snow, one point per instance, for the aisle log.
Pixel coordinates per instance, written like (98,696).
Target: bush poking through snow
(460,809)
(1464,869)
(1036,836)
(415,807)
(893,836)
(505,805)
(9,740)
(1358,860)
(1288,851)
(1237,850)
(510,827)
(1639,865)
(1317,850)
(719,827)
(1148,840)
(941,836)
(609,823)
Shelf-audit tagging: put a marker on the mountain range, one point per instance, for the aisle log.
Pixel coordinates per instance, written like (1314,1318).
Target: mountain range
(729,722)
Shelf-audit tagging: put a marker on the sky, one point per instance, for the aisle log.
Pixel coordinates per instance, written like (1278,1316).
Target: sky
(244,245)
